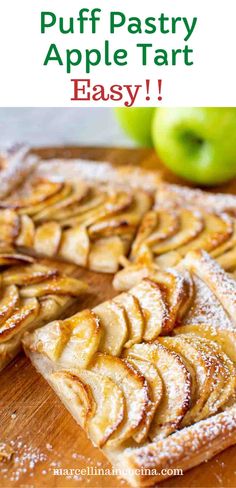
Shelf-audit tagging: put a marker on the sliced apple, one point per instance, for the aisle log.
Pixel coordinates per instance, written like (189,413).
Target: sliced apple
(218,228)
(33,194)
(114,322)
(204,367)
(134,316)
(178,291)
(9,225)
(228,244)
(153,307)
(11,257)
(75,245)
(221,284)
(71,216)
(63,190)
(191,225)
(27,231)
(47,238)
(225,337)
(154,381)
(94,399)
(131,275)
(105,254)
(58,285)
(79,193)
(135,391)
(20,320)
(177,387)
(8,302)
(27,275)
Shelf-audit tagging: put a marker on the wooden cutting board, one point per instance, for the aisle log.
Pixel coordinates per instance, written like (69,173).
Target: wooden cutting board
(34,424)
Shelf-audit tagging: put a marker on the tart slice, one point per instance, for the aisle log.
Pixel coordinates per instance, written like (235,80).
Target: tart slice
(150,388)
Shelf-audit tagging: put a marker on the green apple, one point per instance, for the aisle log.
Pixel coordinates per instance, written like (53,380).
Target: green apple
(137,123)
(198,144)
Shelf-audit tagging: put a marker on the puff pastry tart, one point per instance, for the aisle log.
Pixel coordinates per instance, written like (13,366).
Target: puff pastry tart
(32,292)
(150,375)
(77,221)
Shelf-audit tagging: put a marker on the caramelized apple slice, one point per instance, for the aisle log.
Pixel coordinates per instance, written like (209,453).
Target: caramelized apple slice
(79,192)
(68,216)
(47,238)
(156,226)
(21,318)
(96,400)
(9,225)
(63,190)
(75,245)
(8,303)
(178,291)
(27,275)
(225,337)
(218,281)
(134,316)
(33,194)
(132,274)
(191,225)
(105,254)
(27,231)
(135,391)
(177,387)
(204,367)
(113,320)
(153,307)
(218,228)
(71,342)
(11,257)
(154,381)
(59,285)
(228,259)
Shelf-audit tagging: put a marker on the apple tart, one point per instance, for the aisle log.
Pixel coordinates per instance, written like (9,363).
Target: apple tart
(76,221)
(150,375)
(33,292)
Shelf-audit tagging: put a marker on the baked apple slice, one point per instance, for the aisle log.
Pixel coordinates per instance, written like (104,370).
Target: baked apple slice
(62,190)
(21,318)
(228,260)
(105,254)
(132,274)
(177,387)
(27,275)
(204,367)
(115,328)
(191,225)
(92,398)
(8,302)
(58,285)
(47,239)
(71,342)
(221,284)
(27,231)
(135,391)
(225,337)
(32,194)
(154,381)
(218,229)
(68,216)
(134,316)
(53,212)
(9,226)
(10,256)
(75,245)
(153,307)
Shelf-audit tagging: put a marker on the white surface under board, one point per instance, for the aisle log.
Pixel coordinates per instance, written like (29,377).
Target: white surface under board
(61,126)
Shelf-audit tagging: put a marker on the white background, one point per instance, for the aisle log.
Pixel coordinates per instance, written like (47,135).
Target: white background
(24,81)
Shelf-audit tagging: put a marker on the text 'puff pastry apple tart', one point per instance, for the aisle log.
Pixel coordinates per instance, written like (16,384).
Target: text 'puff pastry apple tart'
(32,292)
(150,375)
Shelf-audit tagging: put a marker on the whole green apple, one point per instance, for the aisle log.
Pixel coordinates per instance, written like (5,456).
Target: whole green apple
(137,123)
(198,144)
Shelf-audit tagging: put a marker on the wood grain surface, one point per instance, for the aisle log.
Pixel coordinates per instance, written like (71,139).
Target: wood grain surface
(34,425)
